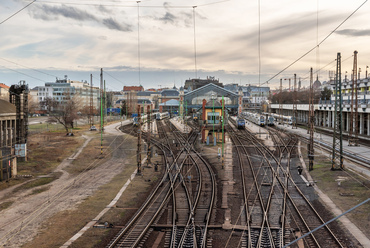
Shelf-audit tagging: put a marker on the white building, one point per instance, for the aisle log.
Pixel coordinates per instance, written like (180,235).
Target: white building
(62,90)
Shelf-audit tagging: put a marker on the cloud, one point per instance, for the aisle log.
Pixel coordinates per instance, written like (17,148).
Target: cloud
(168,18)
(103,9)
(49,13)
(285,28)
(177,18)
(354,32)
(46,12)
(112,24)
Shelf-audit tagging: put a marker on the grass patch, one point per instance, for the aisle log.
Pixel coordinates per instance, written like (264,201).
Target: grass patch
(35,183)
(40,190)
(5,205)
(88,158)
(46,151)
(345,188)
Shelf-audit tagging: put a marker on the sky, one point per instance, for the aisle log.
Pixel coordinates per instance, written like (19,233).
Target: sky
(162,43)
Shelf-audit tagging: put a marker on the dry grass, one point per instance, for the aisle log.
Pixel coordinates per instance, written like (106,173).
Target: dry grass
(36,182)
(68,223)
(45,152)
(5,205)
(89,155)
(351,190)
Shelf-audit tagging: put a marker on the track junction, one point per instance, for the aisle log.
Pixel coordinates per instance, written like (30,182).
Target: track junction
(269,205)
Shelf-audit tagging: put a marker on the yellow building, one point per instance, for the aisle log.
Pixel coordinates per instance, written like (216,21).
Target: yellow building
(211,121)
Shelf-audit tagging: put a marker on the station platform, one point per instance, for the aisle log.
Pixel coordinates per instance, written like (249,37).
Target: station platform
(361,151)
(178,122)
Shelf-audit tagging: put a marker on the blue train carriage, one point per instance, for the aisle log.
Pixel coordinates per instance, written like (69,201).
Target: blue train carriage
(261,121)
(195,116)
(270,120)
(135,121)
(240,123)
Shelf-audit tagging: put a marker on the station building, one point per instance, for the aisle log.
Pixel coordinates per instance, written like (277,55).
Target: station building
(8,127)
(324,109)
(206,102)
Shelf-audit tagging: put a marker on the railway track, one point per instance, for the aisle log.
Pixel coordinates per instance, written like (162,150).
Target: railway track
(280,210)
(186,192)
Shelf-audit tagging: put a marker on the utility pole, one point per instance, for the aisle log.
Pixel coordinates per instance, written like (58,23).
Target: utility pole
(353,128)
(337,152)
(223,127)
(148,159)
(138,141)
(91,119)
(311,124)
(101,97)
(294,118)
(280,102)
(105,104)
(101,112)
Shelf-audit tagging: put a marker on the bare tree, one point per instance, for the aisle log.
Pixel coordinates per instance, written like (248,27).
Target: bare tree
(66,111)
(33,105)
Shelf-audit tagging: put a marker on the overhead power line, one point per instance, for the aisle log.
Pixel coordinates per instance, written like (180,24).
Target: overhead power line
(29,68)
(23,74)
(18,11)
(309,51)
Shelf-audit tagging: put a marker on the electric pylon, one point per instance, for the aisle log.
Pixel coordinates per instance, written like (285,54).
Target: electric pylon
(353,126)
(337,153)
(311,123)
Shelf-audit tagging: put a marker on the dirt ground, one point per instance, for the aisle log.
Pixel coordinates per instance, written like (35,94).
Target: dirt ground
(345,188)
(25,212)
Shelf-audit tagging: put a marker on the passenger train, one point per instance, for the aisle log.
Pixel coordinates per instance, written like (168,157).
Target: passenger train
(161,116)
(255,118)
(143,119)
(283,118)
(240,122)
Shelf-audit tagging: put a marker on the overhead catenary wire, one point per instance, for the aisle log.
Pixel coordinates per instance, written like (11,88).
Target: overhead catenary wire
(17,12)
(195,45)
(322,41)
(138,38)
(25,74)
(48,74)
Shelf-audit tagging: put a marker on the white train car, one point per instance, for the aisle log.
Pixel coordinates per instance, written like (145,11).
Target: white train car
(283,119)
(161,116)
(256,118)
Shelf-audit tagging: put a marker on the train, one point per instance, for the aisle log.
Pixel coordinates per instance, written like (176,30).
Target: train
(240,122)
(195,116)
(161,116)
(143,119)
(270,120)
(283,118)
(258,119)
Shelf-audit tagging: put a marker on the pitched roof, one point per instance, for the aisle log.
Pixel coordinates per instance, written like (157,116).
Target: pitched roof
(169,92)
(134,88)
(4,86)
(171,102)
(6,107)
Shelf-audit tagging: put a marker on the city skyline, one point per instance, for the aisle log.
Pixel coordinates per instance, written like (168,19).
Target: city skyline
(51,39)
